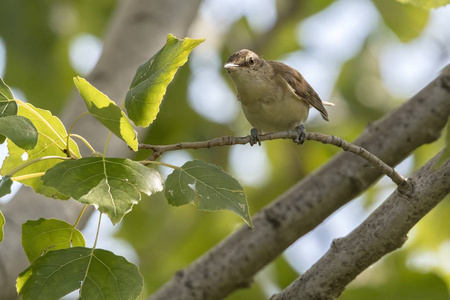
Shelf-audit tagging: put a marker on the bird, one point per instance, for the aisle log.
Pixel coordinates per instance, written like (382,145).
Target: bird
(274,96)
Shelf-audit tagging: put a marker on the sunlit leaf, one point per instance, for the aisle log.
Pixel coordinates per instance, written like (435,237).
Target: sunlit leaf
(2,222)
(152,78)
(107,112)
(406,21)
(208,186)
(426,4)
(43,235)
(111,184)
(51,142)
(8,107)
(99,274)
(5,186)
(20,131)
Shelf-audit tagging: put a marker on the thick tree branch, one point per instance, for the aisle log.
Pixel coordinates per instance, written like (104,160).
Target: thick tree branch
(382,232)
(232,263)
(398,179)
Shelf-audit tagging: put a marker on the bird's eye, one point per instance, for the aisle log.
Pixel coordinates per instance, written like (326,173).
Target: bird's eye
(251,61)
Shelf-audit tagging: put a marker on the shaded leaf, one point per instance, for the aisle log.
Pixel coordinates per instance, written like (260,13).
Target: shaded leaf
(107,112)
(43,235)
(426,4)
(406,21)
(152,78)
(20,131)
(99,274)
(51,141)
(111,184)
(2,222)
(208,186)
(8,107)
(5,186)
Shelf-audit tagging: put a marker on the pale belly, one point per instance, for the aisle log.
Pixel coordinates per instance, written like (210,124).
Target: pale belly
(270,115)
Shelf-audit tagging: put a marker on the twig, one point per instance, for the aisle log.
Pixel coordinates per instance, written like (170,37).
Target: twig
(398,179)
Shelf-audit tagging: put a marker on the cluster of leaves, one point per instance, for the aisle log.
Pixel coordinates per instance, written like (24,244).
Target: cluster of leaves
(44,156)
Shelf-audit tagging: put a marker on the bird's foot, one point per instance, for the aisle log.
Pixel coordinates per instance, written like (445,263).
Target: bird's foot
(301,134)
(254,137)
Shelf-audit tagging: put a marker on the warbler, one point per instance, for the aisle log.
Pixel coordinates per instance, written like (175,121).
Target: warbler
(274,96)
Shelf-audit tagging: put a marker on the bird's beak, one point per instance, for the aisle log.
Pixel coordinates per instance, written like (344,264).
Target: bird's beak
(230,65)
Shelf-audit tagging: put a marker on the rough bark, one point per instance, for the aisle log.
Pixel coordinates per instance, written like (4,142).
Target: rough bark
(232,263)
(137,31)
(384,231)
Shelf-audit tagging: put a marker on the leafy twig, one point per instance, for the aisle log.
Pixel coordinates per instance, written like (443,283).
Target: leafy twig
(398,179)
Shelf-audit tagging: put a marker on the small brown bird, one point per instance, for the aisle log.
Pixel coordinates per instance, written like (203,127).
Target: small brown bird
(274,96)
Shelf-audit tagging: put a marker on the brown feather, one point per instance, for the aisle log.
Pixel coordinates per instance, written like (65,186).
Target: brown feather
(300,86)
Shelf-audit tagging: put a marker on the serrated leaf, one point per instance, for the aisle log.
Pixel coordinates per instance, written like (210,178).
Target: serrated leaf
(2,223)
(152,78)
(99,274)
(5,186)
(406,21)
(426,4)
(51,142)
(43,235)
(20,131)
(107,112)
(209,186)
(111,184)
(8,107)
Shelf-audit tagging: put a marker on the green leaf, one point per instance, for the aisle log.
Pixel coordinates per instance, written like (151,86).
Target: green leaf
(8,107)
(446,153)
(426,4)
(111,184)
(51,142)
(20,131)
(209,186)
(5,186)
(107,112)
(99,274)
(152,78)
(406,21)
(43,235)
(2,222)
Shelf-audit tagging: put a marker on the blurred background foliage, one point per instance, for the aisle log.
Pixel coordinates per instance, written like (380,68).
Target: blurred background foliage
(366,56)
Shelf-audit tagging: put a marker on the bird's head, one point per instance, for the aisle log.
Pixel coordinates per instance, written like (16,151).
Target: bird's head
(243,62)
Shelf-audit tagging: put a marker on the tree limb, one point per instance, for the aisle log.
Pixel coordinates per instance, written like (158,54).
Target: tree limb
(232,263)
(382,232)
(398,179)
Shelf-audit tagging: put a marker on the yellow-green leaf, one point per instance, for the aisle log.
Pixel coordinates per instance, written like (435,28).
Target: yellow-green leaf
(2,222)
(43,235)
(107,112)
(51,142)
(152,78)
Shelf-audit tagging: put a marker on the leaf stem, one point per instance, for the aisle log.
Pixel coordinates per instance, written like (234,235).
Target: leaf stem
(70,130)
(27,176)
(98,231)
(107,143)
(28,163)
(80,215)
(84,141)
(148,162)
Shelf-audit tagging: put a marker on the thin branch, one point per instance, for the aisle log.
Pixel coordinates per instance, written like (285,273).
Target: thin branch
(382,232)
(398,179)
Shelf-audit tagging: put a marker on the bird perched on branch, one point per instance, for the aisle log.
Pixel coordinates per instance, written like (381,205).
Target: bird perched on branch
(274,96)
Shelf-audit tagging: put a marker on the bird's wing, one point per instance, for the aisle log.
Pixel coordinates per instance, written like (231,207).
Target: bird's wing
(301,87)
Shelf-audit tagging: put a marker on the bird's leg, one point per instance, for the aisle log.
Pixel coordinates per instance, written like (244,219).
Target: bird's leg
(301,137)
(254,137)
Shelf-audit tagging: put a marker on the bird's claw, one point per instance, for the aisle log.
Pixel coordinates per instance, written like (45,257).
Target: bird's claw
(254,137)
(301,137)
